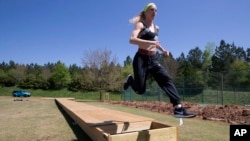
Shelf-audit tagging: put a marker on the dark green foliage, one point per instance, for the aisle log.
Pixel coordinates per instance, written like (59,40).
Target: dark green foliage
(60,77)
(227,66)
(128,61)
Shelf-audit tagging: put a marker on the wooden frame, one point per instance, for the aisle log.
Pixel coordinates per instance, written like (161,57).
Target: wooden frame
(101,124)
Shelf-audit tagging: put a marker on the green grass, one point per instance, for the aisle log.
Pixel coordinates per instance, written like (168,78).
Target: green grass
(219,97)
(92,95)
(40,119)
(207,97)
(34,119)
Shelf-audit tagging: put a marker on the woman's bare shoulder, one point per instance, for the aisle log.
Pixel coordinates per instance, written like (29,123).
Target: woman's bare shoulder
(139,25)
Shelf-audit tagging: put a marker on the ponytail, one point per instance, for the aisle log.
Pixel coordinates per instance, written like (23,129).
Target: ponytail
(137,18)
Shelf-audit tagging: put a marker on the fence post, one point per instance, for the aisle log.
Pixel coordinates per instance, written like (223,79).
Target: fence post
(183,86)
(222,89)
(202,98)
(217,95)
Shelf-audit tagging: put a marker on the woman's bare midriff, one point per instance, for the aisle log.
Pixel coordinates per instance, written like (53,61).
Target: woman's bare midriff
(148,48)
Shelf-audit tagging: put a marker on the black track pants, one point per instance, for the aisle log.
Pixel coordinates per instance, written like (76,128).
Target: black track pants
(144,65)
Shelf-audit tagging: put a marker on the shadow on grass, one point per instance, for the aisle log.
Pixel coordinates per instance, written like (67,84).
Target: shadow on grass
(79,133)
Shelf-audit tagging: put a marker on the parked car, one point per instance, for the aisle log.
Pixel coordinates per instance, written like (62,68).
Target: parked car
(19,93)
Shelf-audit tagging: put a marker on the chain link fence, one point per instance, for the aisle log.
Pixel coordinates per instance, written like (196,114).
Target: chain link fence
(215,88)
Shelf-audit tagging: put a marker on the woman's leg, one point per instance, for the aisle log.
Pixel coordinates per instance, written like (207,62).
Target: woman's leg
(140,73)
(165,82)
(163,79)
(138,83)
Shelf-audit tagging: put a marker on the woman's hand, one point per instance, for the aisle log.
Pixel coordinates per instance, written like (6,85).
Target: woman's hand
(166,53)
(158,46)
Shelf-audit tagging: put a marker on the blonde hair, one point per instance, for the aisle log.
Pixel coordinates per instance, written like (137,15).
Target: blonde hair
(140,17)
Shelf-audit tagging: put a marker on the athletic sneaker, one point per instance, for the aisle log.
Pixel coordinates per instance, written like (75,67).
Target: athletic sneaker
(128,82)
(182,113)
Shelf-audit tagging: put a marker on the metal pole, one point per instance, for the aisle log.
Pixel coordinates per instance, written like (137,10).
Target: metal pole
(222,89)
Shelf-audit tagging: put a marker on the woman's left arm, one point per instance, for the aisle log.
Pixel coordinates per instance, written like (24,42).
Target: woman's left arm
(165,52)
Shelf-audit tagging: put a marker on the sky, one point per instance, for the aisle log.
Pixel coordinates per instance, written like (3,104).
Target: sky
(43,31)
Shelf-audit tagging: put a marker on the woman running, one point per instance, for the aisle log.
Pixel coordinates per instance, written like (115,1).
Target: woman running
(145,36)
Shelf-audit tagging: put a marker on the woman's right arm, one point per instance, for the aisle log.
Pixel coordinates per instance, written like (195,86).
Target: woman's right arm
(137,41)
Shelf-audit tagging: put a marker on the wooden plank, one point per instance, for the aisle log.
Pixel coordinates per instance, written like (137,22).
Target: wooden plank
(110,121)
(97,116)
(161,134)
(93,133)
(117,128)
(108,125)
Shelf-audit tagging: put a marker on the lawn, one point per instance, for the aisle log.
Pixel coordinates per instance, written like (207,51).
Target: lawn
(35,119)
(90,95)
(39,119)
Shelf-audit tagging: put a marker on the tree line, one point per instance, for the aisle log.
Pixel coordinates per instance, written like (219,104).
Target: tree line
(100,70)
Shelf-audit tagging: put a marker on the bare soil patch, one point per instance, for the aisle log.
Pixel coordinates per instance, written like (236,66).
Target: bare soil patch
(232,114)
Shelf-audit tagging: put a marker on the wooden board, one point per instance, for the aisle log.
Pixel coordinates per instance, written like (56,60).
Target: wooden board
(164,134)
(109,125)
(110,121)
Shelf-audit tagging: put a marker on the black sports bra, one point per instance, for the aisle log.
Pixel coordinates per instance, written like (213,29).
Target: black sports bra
(146,34)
